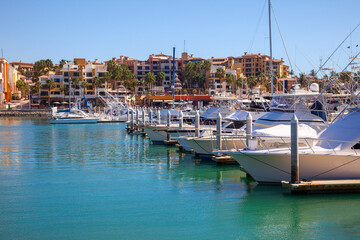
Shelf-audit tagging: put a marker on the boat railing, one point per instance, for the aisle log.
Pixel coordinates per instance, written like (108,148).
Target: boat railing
(270,143)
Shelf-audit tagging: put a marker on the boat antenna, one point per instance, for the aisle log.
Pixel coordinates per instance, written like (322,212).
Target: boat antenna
(271,63)
(337,48)
(173,73)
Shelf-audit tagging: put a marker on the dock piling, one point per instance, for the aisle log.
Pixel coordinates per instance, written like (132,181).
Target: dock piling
(168,118)
(218,132)
(248,129)
(197,124)
(294,150)
(181,120)
(150,116)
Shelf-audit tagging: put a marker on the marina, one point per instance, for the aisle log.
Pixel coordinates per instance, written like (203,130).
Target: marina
(245,128)
(97,182)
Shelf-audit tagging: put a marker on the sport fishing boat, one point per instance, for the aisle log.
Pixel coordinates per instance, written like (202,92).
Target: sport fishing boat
(71,116)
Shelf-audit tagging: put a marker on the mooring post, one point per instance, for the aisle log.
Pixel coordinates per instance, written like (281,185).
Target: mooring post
(218,132)
(143,116)
(248,129)
(150,117)
(181,120)
(137,116)
(168,118)
(197,124)
(159,117)
(132,119)
(294,150)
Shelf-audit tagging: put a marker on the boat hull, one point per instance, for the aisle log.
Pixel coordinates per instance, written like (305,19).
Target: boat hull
(274,168)
(206,146)
(74,121)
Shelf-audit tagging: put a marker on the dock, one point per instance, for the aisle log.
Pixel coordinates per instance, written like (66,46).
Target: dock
(226,160)
(323,186)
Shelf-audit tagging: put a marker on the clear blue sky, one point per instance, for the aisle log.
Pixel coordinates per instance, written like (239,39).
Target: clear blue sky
(312,29)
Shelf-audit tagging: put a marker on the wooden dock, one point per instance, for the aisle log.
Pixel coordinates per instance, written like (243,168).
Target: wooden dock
(226,160)
(324,186)
(170,142)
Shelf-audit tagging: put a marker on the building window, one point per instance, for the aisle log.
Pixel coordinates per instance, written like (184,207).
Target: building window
(248,60)
(139,68)
(76,74)
(167,78)
(66,74)
(66,80)
(155,68)
(89,74)
(155,62)
(101,74)
(147,68)
(56,79)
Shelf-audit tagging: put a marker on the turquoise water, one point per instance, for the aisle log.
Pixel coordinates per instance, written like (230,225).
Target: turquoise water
(97,182)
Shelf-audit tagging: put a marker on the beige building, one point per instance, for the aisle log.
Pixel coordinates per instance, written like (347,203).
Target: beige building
(254,64)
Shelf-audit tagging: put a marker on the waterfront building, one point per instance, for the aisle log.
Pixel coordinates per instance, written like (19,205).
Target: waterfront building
(8,78)
(254,64)
(79,69)
(23,68)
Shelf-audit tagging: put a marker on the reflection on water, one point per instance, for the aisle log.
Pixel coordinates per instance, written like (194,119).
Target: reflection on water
(97,182)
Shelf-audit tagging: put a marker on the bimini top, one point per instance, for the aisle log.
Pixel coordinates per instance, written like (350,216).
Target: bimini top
(345,129)
(241,115)
(212,113)
(281,130)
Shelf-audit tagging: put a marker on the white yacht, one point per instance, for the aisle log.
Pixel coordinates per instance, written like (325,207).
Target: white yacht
(71,116)
(335,154)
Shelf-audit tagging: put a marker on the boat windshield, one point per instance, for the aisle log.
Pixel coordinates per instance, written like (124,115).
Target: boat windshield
(291,103)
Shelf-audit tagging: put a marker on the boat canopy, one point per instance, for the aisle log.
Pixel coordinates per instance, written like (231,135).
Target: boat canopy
(212,113)
(279,116)
(345,129)
(282,130)
(241,115)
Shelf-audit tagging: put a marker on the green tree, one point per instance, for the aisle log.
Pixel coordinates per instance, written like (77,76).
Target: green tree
(36,88)
(239,83)
(23,87)
(62,63)
(64,89)
(160,78)
(220,73)
(149,79)
(50,84)
(96,82)
(230,80)
(84,85)
(302,80)
(251,82)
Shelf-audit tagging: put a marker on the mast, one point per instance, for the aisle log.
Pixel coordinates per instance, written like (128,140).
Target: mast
(69,85)
(271,61)
(173,73)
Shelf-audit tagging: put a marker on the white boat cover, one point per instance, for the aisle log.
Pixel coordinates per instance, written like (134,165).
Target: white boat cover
(305,131)
(241,115)
(212,113)
(164,112)
(287,116)
(345,129)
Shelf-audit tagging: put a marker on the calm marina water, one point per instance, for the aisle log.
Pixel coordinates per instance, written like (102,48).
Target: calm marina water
(97,182)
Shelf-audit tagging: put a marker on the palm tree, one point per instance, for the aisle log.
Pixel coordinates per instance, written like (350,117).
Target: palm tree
(149,79)
(239,83)
(64,89)
(160,78)
(36,88)
(230,79)
(220,73)
(84,85)
(62,63)
(251,82)
(50,84)
(96,82)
